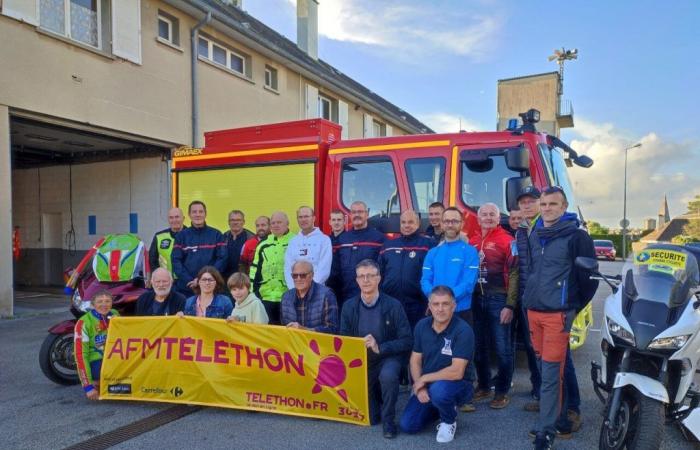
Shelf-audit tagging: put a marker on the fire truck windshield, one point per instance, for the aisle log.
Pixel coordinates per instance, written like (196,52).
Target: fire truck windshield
(483,178)
(557,173)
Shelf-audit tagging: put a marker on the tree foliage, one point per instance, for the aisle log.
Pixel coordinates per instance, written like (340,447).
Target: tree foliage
(597,228)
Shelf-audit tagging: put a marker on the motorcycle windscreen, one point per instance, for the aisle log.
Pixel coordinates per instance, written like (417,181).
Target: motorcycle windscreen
(657,283)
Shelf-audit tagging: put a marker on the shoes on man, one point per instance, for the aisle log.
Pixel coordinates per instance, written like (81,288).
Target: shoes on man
(482,394)
(500,401)
(544,441)
(467,408)
(575,419)
(446,432)
(532,406)
(389,430)
(561,434)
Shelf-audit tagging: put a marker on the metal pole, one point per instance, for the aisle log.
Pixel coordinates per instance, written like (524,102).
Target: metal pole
(193,62)
(624,214)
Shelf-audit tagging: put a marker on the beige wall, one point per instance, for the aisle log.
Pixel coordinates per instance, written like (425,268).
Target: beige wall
(519,95)
(151,100)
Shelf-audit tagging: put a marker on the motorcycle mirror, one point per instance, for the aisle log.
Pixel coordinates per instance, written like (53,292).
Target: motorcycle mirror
(585,263)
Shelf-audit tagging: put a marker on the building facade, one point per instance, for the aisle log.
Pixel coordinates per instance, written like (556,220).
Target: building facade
(99,93)
(542,92)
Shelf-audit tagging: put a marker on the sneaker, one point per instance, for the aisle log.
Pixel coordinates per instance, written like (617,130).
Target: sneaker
(467,408)
(532,406)
(561,434)
(575,419)
(544,441)
(500,402)
(482,394)
(446,432)
(389,430)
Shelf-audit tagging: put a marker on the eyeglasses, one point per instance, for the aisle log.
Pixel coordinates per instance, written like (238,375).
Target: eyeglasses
(300,276)
(451,221)
(554,189)
(207,280)
(367,276)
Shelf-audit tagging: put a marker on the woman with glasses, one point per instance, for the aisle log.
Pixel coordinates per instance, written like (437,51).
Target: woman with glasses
(208,301)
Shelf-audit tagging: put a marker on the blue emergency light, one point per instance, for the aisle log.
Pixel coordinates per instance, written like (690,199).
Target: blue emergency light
(512,124)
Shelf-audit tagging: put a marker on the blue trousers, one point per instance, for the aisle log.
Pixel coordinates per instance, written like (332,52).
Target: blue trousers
(490,334)
(445,398)
(383,386)
(522,331)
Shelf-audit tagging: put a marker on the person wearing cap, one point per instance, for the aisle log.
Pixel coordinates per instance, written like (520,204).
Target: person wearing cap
(560,292)
(528,204)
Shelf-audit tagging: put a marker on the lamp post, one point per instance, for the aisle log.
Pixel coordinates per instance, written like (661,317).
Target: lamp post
(624,223)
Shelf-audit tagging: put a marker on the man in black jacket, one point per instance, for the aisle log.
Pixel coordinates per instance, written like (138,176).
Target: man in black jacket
(381,321)
(401,265)
(554,300)
(161,300)
(195,247)
(362,242)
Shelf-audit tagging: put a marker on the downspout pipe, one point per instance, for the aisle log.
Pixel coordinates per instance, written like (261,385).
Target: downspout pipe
(194,32)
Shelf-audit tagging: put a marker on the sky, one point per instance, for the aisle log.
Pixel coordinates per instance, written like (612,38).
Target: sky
(637,78)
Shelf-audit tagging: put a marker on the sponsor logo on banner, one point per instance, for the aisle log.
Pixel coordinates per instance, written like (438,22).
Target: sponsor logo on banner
(280,370)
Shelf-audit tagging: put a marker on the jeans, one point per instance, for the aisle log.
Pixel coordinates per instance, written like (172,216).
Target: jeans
(273,311)
(445,398)
(489,334)
(522,333)
(415,311)
(383,387)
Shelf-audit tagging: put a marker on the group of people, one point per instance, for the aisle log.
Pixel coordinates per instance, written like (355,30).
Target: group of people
(431,306)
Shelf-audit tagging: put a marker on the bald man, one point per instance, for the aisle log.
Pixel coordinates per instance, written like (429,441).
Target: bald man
(401,265)
(267,271)
(161,299)
(159,255)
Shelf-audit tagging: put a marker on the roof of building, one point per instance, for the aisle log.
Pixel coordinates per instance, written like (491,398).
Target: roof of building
(274,41)
(522,77)
(671,229)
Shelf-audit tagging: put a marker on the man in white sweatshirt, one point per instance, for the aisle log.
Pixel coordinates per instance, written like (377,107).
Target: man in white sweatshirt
(310,245)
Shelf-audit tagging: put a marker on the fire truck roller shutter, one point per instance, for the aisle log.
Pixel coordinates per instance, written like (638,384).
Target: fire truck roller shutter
(256,191)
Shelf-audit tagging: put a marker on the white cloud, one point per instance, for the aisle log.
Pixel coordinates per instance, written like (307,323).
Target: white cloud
(443,122)
(659,167)
(410,28)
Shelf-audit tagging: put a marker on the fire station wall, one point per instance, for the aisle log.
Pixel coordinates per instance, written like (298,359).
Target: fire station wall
(109,191)
(520,94)
(58,78)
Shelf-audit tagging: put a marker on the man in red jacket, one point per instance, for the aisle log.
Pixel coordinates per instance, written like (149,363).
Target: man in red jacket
(493,304)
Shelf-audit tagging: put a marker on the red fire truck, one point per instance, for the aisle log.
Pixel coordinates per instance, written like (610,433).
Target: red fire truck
(282,166)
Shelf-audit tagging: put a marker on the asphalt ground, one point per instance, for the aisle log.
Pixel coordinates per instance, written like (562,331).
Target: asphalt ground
(38,414)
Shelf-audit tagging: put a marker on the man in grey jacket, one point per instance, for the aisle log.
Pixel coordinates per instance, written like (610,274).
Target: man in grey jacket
(552,302)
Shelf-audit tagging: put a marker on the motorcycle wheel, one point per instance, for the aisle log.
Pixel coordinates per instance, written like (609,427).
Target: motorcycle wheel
(57,361)
(639,424)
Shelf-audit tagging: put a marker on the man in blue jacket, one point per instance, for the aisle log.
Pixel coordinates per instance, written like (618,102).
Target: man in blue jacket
(453,263)
(360,243)
(401,264)
(381,321)
(552,303)
(195,247)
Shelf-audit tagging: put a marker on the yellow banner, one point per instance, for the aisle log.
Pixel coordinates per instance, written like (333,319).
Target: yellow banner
(257,367)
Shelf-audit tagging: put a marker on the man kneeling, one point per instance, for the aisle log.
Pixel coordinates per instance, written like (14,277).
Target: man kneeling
(443,346)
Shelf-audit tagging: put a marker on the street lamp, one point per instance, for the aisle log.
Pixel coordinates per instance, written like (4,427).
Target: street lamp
(624,223)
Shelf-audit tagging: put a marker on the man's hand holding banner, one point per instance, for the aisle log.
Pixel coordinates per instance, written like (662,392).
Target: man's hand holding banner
(236,365)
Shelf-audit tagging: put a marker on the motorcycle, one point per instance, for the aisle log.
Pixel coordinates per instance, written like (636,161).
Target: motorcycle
(125,258)
(650,347)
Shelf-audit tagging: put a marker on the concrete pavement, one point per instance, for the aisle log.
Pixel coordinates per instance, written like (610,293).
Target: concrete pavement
(36,413)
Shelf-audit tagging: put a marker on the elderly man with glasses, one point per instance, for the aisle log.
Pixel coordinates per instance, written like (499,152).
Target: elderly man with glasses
(309,305)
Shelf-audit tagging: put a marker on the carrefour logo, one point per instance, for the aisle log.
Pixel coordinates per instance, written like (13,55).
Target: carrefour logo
(643,256)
